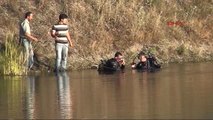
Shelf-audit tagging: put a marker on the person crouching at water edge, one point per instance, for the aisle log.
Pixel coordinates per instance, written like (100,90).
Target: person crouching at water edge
(26,38)
(113,64)
(60,32)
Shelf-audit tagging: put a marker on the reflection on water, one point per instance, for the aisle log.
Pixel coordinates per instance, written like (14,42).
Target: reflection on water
(64,95)
(30,97)
(180,91)
(10,99)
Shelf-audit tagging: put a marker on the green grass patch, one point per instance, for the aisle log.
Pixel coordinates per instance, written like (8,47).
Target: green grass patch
(12,57)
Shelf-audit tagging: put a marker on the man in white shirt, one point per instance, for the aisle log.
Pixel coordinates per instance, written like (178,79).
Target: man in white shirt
(26,38)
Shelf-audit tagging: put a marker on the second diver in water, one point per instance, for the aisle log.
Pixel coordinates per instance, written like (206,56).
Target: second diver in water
(146,62)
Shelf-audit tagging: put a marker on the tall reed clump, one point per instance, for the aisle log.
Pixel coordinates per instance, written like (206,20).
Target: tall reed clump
(12,58)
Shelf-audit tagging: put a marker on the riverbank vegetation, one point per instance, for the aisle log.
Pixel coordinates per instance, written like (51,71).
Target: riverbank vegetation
(174,30)
(11,57)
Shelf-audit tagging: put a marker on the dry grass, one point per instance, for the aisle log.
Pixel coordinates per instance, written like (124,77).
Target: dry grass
(101,27)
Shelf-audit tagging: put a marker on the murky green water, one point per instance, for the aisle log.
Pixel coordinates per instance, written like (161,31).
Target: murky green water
(180,91)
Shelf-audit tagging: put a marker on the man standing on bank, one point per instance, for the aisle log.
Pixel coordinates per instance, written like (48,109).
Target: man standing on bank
(26,38)
(60,32)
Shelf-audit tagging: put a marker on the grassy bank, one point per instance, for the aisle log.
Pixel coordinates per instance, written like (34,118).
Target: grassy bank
(175,30)
(11,58)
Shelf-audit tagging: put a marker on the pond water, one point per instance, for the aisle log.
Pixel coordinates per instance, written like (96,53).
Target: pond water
(178,91)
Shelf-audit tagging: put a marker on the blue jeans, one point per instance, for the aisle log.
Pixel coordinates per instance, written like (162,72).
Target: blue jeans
(28,52)
(61,56)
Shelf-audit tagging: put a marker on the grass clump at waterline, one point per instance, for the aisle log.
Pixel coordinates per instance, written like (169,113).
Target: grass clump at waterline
(12,57)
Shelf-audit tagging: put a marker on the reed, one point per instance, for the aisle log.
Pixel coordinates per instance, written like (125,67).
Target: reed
(12,57)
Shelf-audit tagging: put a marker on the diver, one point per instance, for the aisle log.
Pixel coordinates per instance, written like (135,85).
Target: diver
(113,64)
(146,62)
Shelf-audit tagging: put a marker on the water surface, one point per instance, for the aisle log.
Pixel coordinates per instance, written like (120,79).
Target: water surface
(179,91)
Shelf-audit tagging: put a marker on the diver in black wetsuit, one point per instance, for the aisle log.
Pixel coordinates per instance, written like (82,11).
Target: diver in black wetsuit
(146,62)
(113,64)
